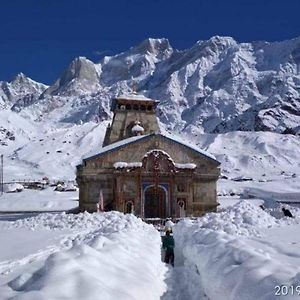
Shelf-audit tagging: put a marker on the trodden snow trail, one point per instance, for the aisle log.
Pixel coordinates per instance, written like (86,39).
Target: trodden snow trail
(182,282)
(182,285)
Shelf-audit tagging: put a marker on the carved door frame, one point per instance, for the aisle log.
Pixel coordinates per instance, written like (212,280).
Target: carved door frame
(164,187)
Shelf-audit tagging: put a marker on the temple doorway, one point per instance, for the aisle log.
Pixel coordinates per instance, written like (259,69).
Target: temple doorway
(155,202)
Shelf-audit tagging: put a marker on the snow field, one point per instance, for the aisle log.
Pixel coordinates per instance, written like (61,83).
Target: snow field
(115,256)
(232,256)
(37,200)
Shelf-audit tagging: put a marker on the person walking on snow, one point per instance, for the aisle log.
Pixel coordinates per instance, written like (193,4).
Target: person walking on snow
(168,246)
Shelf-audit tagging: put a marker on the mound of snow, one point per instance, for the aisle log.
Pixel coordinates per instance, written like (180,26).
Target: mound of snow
(64,221)
(117,258)
(231,269)
(243,218)
(227,256)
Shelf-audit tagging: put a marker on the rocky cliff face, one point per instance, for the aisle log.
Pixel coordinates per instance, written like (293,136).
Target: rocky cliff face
(216,86)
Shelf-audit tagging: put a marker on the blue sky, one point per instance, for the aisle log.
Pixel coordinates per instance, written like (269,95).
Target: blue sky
(41,37)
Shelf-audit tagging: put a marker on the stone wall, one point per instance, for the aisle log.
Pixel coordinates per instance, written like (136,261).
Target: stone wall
(135,152)
(199,186)
(89,191)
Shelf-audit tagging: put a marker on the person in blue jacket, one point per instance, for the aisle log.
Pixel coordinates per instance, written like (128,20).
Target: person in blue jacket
(168,246)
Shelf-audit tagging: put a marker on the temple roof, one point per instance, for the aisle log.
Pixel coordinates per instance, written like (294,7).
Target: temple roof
(123,143)
(133,97)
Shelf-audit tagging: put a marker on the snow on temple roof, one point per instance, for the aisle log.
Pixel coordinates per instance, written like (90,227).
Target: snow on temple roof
(134,96)
(123,164)
(122,143)
(158,151)
(186,166)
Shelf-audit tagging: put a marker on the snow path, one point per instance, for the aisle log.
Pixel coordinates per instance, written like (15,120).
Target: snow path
(180,281)
(34,244)
(219,256)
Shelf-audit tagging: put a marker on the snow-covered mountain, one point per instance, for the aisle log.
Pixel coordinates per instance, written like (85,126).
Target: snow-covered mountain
(19,92)
(207,93)
(218,85)
(210,94)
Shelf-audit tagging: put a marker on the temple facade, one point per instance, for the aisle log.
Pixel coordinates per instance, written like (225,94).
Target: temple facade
(143,171)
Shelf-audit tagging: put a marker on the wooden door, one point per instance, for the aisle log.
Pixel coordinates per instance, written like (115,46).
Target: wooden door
(155,203)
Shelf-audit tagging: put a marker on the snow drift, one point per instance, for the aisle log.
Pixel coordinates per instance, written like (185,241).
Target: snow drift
(116,257)
(217,251)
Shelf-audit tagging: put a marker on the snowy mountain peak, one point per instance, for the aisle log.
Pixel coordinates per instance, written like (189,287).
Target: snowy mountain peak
(19,77)
(22,79)
(217,85)
(224,40)
(80,68)
(18,87)
(154,45)
(80,77)
(138,62)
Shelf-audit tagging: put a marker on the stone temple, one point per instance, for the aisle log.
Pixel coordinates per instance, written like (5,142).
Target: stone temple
(142,171)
